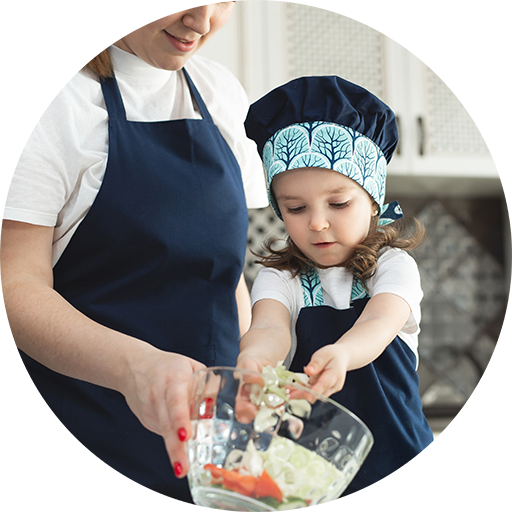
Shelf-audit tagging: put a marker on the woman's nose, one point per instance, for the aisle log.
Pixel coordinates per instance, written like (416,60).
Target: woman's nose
(198,19)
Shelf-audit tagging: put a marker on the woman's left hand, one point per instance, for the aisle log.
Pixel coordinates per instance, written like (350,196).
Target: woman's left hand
(156,389)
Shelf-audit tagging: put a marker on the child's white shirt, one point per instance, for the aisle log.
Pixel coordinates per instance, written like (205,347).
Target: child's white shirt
(63,163)
(396,273)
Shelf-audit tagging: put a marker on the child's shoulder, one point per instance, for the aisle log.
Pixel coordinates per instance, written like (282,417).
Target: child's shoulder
(273,274)
(391,255)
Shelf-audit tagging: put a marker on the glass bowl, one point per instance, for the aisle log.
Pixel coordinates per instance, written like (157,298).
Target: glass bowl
(257,444)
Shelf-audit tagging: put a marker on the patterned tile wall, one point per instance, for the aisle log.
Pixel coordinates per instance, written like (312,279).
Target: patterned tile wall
(462,272)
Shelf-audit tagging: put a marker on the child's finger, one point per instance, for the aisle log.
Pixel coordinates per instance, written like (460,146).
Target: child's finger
(319,360)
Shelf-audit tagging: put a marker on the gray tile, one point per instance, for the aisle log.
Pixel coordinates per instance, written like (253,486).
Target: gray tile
(464,376)
(477,286)
(263,224)
(442,393)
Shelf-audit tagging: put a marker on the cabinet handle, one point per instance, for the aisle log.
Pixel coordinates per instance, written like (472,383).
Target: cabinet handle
(421,136)
(399,145)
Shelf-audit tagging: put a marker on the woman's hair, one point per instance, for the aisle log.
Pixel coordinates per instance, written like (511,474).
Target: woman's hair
(97,56)
(362,263)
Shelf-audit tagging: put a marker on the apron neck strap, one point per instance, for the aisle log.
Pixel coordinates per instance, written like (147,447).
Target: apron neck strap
(113,99)
(312,288)
(205,114)
(115,105)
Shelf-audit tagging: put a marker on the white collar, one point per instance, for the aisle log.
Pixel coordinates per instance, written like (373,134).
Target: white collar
(132,67)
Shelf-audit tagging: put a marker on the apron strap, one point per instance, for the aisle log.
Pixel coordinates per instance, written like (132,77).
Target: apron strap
(113,99)
(312,289)
(205,114)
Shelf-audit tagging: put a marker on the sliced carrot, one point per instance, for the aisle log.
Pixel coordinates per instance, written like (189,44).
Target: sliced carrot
(242,484)
(217,473)
(266,487)
(246,485)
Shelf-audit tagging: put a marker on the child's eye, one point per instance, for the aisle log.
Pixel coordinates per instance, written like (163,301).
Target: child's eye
(297,209)
(340,205)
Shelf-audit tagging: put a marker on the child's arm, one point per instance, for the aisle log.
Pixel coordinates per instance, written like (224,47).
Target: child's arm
(268,340)
(381,320)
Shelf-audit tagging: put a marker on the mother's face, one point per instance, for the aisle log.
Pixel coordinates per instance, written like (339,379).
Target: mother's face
(169,42)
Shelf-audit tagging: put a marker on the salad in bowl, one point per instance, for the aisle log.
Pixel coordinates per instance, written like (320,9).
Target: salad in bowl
(265,441)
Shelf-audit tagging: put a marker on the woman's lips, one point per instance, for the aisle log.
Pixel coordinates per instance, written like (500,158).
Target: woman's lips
(182,45)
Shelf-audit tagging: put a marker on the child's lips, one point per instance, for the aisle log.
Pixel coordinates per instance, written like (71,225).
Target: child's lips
(323,245)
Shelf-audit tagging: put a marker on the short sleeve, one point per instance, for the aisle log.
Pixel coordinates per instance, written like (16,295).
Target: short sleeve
(398,273)
(67,142)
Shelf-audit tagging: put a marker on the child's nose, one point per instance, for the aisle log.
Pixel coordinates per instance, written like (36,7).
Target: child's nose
(318,222)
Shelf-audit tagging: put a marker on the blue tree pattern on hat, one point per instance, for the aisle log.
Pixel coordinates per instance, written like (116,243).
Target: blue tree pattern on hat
(328,146)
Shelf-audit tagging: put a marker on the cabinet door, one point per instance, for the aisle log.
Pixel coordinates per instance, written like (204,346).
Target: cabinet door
(461,87)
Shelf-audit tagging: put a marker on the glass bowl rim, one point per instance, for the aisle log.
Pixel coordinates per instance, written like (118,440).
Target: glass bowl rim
(301,387)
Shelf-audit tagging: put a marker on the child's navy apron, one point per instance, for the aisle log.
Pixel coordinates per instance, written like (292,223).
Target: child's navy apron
(383,394)
(158,257)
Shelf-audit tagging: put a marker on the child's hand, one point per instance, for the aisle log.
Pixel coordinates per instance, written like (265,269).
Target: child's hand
(249,363)
(327,369)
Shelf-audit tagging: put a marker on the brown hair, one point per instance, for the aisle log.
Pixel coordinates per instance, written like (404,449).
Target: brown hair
(362,263)
(97,22)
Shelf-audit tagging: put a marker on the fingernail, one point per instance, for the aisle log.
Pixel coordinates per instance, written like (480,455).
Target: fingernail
(182,434)
(178,469)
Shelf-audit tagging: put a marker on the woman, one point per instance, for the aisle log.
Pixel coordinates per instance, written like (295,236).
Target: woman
(121,257)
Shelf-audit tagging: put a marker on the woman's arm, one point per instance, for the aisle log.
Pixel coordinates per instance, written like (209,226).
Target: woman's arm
(47,328)
(243,301)
(268,340)
(381,320)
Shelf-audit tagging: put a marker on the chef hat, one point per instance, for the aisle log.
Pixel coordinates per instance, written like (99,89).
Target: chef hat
(330,123)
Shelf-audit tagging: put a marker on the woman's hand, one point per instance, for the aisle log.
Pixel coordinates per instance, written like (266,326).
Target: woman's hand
(156,388)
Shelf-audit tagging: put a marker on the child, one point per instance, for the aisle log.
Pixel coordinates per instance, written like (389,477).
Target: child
(341,300)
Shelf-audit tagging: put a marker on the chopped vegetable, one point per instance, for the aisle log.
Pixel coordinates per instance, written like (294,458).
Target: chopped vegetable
(267,488)
(283,474)
(248,485)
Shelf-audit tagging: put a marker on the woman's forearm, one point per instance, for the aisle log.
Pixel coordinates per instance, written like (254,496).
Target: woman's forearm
(243,301)
(50,330)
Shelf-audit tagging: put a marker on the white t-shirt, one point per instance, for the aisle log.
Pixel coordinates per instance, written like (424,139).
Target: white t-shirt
(396,273)
(63,163)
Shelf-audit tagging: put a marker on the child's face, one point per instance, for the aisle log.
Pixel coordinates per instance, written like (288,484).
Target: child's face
(325,213)
(169,42)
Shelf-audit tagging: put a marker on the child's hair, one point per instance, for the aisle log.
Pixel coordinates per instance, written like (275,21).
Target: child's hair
(97,20)
(362,263)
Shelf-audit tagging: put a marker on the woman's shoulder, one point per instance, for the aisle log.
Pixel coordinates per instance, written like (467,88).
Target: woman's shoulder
(76,103)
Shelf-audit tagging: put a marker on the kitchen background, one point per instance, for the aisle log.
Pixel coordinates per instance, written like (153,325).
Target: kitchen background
(442,173)
(445,67)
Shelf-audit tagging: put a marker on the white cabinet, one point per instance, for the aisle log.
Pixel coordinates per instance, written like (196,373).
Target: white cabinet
(268,43)
(449,66)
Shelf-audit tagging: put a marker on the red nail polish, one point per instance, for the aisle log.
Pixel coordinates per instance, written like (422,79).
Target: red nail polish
(178,469)
(182,434)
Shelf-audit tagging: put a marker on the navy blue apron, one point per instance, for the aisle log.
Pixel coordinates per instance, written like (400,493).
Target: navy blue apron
(383,394)
(158,257)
